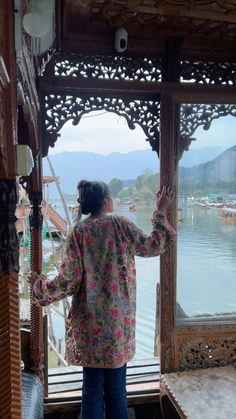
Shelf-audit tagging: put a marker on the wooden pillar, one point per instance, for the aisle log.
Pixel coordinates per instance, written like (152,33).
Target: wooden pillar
(10,394)
(10,384)
(169,121)
(36,317)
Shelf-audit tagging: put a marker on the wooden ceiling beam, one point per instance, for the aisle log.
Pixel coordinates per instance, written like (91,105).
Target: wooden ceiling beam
(112,88)
(178,12)
(180,92)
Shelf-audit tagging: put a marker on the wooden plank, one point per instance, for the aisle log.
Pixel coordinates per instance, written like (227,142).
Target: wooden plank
(77,385)
(132,390)
(75,376)
(69,405)
(65,385)
(131,364)
(227,16)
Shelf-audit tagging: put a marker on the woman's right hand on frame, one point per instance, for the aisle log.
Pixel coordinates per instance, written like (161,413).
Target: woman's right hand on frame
(164,198)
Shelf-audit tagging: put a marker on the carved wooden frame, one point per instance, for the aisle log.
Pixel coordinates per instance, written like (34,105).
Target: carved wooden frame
(61,108)
(191,344)
(172,144)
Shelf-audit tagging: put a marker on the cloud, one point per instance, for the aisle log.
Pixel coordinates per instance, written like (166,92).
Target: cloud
(103,134)
(222,132)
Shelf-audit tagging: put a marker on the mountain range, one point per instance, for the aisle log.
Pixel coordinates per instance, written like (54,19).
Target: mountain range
(220,169)
(73,166)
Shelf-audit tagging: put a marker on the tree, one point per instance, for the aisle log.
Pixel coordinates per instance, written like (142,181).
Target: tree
(147,179)
(115,186)
(124,193)
(146,193)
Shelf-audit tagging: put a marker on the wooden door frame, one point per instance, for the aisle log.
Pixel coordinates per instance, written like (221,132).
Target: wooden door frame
(178,340)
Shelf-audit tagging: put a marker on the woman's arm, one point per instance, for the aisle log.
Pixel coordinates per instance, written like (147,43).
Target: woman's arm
(140,244)
(162,234)
(68,279)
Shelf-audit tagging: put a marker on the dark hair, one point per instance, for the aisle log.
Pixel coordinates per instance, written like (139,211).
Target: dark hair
(91,196)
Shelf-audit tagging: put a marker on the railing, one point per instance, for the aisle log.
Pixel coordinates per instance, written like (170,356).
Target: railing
(22,212)
(65,384)
(51,214)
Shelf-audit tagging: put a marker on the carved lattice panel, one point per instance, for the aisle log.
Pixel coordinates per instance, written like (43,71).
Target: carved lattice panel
(206,352)
(208,72)
(108,67)
(193,116)
(62,108)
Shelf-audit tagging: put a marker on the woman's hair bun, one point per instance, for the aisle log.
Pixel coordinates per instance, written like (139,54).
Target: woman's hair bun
(91,196)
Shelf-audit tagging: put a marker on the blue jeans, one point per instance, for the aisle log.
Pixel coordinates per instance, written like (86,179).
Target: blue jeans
(104,386)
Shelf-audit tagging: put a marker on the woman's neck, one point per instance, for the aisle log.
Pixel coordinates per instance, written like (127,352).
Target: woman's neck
(100,214)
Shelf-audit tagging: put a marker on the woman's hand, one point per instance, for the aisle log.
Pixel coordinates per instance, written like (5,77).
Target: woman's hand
(164,198)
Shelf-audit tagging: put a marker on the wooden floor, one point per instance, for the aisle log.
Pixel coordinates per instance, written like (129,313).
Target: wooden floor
(65,384)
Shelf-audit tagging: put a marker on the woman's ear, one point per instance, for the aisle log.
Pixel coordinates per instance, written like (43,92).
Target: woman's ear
(106,201)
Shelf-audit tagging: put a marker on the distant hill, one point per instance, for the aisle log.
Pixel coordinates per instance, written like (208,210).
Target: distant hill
(193,156)
(73,166)
(220,169)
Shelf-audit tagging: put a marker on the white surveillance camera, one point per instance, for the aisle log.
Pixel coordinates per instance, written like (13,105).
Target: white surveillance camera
(121,40)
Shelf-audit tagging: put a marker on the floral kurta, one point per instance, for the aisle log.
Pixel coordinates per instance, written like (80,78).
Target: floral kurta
(98,270)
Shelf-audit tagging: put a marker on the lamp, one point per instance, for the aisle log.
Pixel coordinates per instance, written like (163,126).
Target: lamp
(37,21)
(36,24)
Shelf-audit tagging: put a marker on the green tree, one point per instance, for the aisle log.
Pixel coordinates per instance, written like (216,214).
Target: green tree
(115,186)
(146,193)
(124,193)
(147,179)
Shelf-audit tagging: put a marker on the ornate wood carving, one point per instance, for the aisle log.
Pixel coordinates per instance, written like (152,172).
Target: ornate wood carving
(9,305)
(192,116)
(8,236)
(208,72)
(36,216)
(168,264)
(26,79)
(36,323)
(10,395)
(61,108)
(108,67)
(10,385)
(7,130)
(206,352)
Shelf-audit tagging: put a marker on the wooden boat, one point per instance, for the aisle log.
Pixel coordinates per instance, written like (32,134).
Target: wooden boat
(132,208)
(203,206)
(228,214)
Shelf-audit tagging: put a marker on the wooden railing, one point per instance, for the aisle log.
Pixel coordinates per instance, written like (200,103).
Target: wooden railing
(65,384)
(22,212)
(52,215)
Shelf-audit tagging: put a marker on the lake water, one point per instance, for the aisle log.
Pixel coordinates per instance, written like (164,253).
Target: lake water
(206,271)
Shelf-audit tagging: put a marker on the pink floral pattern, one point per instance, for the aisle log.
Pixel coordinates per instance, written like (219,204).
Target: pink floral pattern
(98,270)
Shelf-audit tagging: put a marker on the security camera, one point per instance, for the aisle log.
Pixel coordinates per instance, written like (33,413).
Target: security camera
(121,40)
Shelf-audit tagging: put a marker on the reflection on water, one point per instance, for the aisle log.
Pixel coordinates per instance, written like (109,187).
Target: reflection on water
(206,271)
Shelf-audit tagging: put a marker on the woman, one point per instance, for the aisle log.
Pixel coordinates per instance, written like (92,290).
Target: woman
(98,270)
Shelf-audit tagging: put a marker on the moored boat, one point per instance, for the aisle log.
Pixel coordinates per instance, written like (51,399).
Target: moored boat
(228,214)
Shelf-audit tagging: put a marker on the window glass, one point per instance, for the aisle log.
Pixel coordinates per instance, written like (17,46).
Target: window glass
(206,244)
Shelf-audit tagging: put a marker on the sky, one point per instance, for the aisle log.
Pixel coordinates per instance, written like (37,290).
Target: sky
(105,133)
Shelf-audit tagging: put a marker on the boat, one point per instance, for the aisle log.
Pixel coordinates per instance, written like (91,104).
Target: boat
(203,206)
(228,214)
(132,208)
